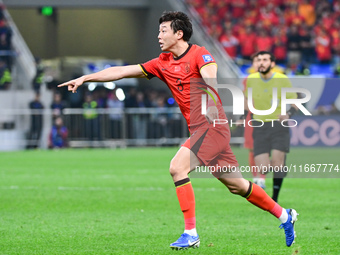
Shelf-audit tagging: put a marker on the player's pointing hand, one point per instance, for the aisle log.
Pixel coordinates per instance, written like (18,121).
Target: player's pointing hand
(73,85)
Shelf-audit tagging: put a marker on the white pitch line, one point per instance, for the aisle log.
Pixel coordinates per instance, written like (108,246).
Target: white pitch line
(63,188)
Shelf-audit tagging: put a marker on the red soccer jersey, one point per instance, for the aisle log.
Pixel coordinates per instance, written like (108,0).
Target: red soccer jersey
(177,74)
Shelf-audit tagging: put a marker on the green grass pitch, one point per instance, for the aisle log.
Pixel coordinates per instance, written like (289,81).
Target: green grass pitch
(83,201)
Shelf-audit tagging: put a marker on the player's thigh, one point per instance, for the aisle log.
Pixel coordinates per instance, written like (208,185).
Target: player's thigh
(280,138)
(183,162)
(210,143)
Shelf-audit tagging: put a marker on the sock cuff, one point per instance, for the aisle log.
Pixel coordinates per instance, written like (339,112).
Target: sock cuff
(182,182)
(250,189)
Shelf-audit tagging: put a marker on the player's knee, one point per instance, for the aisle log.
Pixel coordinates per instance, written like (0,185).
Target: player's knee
(277,164)
(174,169)
(238,187)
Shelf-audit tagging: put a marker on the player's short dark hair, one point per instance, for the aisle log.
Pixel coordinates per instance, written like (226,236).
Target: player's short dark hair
(263,52)
(179,21)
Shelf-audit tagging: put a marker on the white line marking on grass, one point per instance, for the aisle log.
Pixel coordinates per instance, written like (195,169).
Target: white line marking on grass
(63,188)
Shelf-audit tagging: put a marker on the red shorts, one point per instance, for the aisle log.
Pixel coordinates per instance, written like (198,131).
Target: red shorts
(248,134)
(211,146)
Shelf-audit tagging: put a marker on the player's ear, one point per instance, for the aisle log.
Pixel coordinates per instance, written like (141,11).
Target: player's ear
(179,34)
(272,64)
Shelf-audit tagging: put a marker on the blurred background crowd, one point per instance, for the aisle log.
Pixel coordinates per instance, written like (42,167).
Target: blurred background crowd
(298,32)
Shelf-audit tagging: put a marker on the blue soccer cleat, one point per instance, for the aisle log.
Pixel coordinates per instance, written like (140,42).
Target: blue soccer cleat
(289,226)
(186,241)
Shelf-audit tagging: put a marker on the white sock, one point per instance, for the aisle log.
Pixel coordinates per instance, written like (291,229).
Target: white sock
(191,232)
(284,216)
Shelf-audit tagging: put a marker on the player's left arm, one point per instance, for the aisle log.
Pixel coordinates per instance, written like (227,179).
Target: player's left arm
(209,74)
(293,108)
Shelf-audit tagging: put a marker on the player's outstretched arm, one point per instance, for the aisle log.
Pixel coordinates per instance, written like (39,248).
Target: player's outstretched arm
(109,74)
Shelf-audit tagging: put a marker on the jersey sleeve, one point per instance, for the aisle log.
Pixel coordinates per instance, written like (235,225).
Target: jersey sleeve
(204,58)
(150,68)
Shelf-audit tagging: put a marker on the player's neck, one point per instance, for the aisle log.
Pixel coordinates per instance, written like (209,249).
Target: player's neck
(179,49)
(267,76)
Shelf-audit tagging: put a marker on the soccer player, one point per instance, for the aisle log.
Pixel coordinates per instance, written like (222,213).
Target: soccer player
(208,145)
(271,139)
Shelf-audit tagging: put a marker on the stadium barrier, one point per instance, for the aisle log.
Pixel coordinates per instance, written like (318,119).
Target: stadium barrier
(128,127)
(106,128)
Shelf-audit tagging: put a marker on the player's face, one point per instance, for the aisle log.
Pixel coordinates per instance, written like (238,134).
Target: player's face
(264,63)
(255,63)
(166,37)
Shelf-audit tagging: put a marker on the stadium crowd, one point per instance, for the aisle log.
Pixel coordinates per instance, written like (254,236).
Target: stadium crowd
(296,31)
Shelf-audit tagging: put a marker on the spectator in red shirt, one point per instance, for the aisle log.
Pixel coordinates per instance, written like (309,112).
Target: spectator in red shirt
(264,42)
(293,17)
(323,47)
(327,20)
(269,16)
(335,36)
(238,29)
(250,17)
(222,9)
(205,18)
(238,7)
(247,43)
(227,21)
(229,43)
(280,46)
(199,6)
(317,28)
(215,30)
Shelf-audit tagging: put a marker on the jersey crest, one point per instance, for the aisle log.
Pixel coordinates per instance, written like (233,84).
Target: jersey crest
(187,67)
